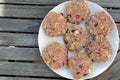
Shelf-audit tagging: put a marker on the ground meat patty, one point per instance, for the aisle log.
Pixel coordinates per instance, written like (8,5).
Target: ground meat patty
(77,11)
(81,65)
(76,39)
(100,49)
(100,23)
(55,24)
(55,55)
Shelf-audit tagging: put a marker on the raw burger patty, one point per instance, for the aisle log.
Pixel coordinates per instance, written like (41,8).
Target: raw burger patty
(80,65)
(100,23)
(55,55)
(100,49)
(76,39)
(55,24)
(77,11)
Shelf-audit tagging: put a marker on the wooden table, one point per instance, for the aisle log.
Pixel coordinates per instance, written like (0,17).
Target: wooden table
(19,54)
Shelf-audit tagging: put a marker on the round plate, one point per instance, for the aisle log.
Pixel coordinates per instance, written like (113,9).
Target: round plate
(44,40)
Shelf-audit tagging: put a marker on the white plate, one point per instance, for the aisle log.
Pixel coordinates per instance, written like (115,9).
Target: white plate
(44,40)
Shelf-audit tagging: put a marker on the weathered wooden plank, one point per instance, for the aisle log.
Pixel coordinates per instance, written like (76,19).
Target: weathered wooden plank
(116,76)
(104,3)
(17,25)
(118,26)
(115,14)
(24,11)
(38,11)
(17,39)
(26,69)
(29,54)
(33,1)
(30,69)
(19,78)
(113,72)
(108,3)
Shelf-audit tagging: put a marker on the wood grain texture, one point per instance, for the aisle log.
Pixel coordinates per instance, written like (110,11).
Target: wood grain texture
(20,53)
(17,39)
(38,12)
(20,39)
(118,26)
(19,78)
(24,11)
(33,1)
(104,3)
(26,69)
(114,14)
(17,25)
(108,3)
(28,54)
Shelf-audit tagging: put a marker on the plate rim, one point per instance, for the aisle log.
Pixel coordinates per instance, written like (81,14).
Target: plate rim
(107,36)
